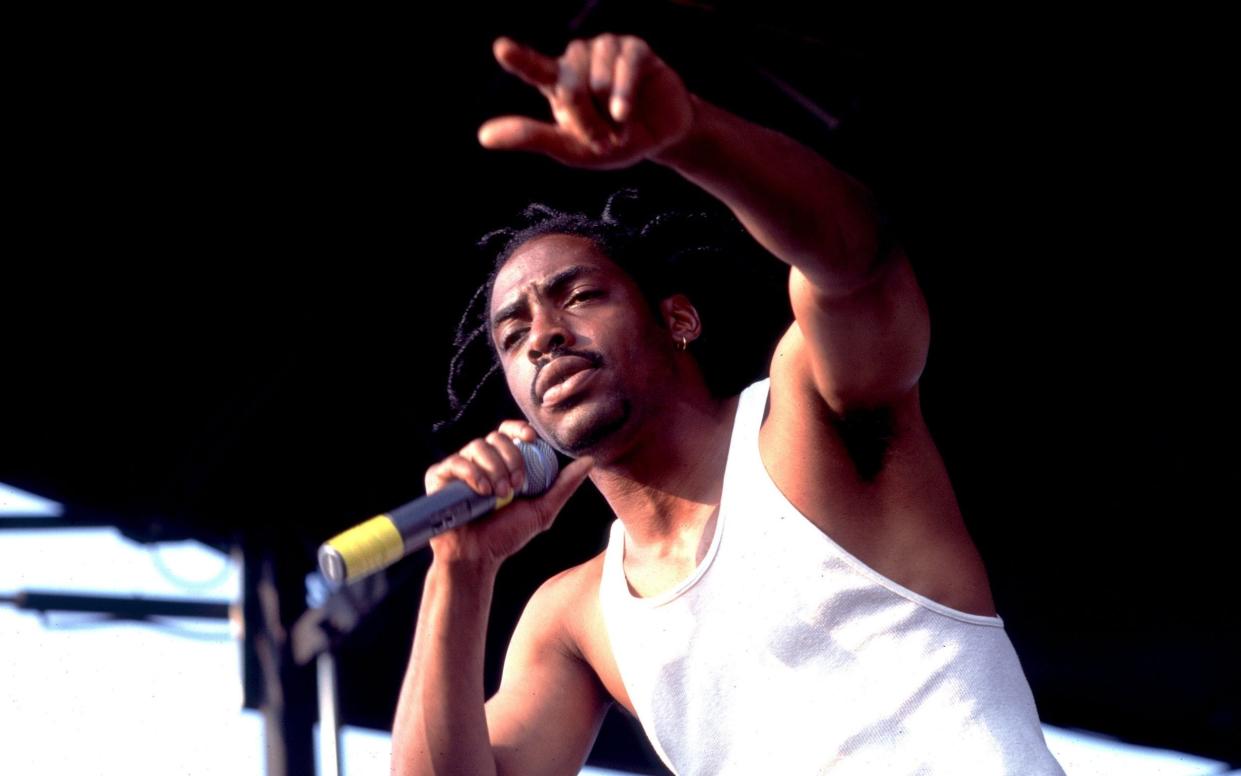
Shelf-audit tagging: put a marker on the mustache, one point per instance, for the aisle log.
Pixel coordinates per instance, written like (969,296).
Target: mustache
(595,359)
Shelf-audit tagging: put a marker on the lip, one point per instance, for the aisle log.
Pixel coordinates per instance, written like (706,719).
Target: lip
(565,374)
(562,391)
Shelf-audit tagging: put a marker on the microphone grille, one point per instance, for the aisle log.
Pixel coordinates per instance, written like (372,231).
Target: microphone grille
(541,466)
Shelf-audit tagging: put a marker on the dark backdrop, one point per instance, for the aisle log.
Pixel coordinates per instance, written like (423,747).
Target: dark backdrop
(239,243)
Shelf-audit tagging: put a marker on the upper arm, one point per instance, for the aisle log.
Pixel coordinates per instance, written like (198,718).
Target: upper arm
(862,348)
(547,712)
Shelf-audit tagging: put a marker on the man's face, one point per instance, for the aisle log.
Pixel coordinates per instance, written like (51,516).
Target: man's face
(580,347)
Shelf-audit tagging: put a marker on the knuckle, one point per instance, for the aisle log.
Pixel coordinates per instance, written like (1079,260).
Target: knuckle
(542,516)
(579,95)
(516,428)
(564,90)
(506,448)
(634,48)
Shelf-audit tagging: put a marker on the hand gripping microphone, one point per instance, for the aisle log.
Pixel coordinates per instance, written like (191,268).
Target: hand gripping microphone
(385,539)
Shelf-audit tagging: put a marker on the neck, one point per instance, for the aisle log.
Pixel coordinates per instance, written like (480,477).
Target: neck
(667,484)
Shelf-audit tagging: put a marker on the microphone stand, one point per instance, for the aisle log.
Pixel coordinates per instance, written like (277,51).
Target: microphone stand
(315,636)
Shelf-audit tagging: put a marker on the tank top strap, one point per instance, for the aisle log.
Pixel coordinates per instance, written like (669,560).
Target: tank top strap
(743,448)
(613,580)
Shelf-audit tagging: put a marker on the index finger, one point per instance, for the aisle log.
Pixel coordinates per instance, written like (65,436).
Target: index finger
(518,429)
(526,63)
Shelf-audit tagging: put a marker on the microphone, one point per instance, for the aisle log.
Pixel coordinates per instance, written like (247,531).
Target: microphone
(385,539)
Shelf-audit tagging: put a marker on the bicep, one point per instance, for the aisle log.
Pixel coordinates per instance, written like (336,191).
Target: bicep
(547,712)
(863,348)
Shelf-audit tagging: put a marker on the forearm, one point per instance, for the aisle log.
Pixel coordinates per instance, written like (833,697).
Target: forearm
(441,725)
(797,205)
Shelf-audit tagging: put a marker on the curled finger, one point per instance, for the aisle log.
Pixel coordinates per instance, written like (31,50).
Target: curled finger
(603,53)
(634,53)
(458,467)
(572,102)
(513,458)
(483,454)
(518,429)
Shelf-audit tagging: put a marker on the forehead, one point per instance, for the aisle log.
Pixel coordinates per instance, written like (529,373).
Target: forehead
(541,259)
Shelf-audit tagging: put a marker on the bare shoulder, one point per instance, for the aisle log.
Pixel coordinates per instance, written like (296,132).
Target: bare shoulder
(569,605)
(547,711)
(564,601)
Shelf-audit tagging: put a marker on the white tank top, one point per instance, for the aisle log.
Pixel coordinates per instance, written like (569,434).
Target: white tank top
(784,654)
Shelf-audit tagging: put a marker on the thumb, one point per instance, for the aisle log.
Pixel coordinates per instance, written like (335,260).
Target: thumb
(518,133)
(570,479)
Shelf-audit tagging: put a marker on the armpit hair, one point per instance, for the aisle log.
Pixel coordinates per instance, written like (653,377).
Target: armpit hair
(867,435)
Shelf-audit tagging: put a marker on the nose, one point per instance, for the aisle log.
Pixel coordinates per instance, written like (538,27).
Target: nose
(548,333)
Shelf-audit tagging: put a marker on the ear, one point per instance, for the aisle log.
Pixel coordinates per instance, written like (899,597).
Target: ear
(681,319)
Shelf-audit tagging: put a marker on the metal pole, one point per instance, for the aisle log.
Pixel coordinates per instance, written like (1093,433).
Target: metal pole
(329,716)
(274,599)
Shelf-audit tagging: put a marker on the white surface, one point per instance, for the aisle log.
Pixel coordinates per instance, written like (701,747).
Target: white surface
(17,502)
(80,697)
(124,698)
(1085,754)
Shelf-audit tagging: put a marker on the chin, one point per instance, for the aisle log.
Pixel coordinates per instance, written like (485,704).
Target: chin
(583,428)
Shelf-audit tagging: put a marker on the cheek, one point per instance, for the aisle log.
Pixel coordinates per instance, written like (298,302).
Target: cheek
(641,346)
(518,386)
(518,380)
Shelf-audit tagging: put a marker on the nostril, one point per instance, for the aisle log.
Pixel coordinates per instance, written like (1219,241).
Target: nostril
(548,338)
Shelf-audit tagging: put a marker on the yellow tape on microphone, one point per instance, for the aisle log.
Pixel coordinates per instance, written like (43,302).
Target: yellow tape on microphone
(369,547)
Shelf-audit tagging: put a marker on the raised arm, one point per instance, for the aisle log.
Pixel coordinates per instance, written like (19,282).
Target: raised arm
(862,330)
(543,722)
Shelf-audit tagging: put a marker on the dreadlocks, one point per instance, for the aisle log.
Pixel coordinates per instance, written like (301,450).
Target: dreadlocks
(665,253)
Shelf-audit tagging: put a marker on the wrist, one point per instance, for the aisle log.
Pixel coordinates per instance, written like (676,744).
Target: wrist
(684,149)
(465,569)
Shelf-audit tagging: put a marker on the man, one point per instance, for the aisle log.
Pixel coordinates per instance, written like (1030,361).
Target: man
(768,603)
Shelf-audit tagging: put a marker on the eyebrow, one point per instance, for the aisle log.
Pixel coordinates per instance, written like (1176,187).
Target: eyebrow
(552,286)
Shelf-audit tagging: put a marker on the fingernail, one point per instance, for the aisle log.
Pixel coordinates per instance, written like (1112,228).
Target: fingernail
(504,490)
(617,108)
